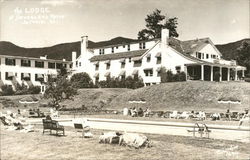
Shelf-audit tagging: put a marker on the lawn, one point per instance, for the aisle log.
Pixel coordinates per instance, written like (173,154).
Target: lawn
(34,145)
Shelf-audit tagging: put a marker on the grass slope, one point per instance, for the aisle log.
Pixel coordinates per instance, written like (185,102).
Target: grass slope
(193,95)
(94,97)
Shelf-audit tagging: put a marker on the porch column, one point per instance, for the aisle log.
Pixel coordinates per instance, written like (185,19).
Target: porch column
(212,74)
(243,73)
(185,70)
(202,72)
(235,77)
(220,79)
(228,74)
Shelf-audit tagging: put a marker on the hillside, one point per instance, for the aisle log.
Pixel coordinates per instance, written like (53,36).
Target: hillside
(192,95)
(94,97)
(58,51)
(229,50)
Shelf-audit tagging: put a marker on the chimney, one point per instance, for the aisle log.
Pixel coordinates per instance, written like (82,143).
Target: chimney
(74,59)
(164,36)
(84,44)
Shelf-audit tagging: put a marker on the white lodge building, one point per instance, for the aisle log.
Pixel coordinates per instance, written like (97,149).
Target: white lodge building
(198,58)
(29,71)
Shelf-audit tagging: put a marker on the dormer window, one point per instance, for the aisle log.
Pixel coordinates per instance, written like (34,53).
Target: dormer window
(112,49)
(117,47)
(143,45)
(207,56)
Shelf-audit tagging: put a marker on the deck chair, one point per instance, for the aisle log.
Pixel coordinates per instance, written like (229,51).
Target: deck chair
(174,115)
(80,128)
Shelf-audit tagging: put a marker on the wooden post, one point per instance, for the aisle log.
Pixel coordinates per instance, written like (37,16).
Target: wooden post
(220,79)
(228,74)
(202,72)
(212,74)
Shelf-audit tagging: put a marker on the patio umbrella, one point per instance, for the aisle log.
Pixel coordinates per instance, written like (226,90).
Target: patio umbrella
(137,100)
(29,100)
(229,100)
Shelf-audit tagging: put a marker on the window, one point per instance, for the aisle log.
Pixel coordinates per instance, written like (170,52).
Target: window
(207,56)
(148,58)
(117,47)
(140,45)
(70,66)
(158,60)
(10,61)
(65,65)
(123,64)
(51,65)
(101,51)
(137,63)
(76,63)
(25,76)
(59,65)
(128,47)
(148,72)
(129,59)
(123,46)
(39,77)
(178,69)
(97,66)
(112,49)
(25,63)
(39,64)
(198,55)
(108,66)
(202,55)
(143,45)
(80,64)
(9,75)
(147,84)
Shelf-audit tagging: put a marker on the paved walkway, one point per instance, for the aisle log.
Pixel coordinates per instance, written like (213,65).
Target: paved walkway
(171,128)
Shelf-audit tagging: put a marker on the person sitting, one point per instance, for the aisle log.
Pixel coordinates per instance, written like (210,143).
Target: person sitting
(215,116)
(48,117)
(140,112)
(147,112)
(244,118)
(228,115)
(134,112)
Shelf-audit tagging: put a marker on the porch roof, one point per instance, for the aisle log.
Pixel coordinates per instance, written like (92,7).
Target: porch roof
(216,65)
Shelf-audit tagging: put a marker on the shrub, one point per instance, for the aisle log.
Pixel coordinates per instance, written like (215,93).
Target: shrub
(179,77)
(82,80)
(217,76)
(7,90)
(34,90)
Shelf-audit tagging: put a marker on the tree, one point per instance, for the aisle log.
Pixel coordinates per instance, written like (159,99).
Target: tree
(82,80)
(61,89)
(7,90)
(243,55)
(155,23)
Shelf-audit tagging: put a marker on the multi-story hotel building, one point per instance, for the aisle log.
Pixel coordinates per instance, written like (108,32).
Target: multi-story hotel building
(29,71)
(198,58)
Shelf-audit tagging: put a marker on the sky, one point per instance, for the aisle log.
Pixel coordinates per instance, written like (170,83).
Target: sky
(40,23)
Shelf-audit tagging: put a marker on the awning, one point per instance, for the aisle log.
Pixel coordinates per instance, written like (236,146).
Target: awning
(158,54)
(107,74)
(10,74)
(158,69)
(148,69)
(106,62)
(122,60)
(148,55)
(136,59)
(26,75)
(39,75)
(135,72)
(122,73)
(96,62)
(96,75)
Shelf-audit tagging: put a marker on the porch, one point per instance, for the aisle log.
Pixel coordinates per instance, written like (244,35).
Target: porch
(214,72)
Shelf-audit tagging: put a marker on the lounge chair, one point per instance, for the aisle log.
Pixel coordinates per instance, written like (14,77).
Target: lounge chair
(174,115)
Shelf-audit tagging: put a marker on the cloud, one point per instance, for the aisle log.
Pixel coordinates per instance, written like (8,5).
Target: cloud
(59,2)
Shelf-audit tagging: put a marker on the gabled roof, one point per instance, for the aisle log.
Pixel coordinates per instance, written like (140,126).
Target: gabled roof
(120,55)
